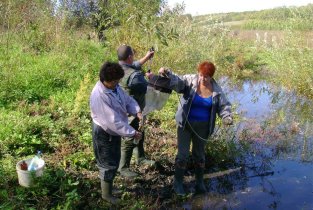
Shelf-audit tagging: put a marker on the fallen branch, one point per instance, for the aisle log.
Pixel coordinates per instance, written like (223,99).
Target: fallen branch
(269,173)
(215,174)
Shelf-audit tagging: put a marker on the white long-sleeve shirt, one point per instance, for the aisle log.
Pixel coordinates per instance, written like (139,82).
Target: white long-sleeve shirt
(110,110)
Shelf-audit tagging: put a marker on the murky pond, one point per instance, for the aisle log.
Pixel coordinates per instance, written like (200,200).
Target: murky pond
(278,174)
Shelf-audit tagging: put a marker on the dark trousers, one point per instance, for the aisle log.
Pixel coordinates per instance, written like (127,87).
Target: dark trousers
(128,145)
(184,139)
(107,152)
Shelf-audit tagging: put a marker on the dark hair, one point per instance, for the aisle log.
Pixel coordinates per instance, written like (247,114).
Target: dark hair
(110,71)
(123,52)
(206,68)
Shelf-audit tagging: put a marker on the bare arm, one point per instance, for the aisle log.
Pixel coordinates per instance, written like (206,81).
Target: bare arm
(144,59)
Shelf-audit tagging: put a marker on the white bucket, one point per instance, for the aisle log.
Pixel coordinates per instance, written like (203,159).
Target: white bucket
(25,178)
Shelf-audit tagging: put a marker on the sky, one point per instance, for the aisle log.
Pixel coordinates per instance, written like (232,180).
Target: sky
(201,7)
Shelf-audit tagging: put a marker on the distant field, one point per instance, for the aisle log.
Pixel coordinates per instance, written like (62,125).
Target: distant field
(234,23)
(270,37)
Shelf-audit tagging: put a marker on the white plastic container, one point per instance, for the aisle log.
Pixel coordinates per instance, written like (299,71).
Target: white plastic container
(25,177)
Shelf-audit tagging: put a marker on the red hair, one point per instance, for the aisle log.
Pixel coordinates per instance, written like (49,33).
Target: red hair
(206,68)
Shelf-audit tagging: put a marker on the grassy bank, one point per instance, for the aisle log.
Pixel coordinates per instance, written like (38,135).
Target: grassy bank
(49,65)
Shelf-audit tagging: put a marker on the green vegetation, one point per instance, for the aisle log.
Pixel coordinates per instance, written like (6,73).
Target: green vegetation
(285,52)
(50,55)
(282,18)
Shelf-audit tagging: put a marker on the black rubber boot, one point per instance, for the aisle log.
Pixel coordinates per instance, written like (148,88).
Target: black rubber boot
(106,190)
(178,181)
(200,187)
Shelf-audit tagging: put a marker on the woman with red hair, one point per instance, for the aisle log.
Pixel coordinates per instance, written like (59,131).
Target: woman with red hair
(202,99)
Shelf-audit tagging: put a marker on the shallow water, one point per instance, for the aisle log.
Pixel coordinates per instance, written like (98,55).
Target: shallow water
(281,172)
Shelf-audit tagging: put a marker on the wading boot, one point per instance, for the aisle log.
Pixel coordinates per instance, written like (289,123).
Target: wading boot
(146,162)
(141,160)
(126,154)
(139,154)
(178,181)
(106,190)
(125,172)
(200,187)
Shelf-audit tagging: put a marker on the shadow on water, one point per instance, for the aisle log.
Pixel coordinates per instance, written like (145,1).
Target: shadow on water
(277,171)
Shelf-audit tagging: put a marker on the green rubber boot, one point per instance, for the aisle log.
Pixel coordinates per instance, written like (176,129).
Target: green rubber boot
(106,190)
(126,154)
(146,162)
(139,154)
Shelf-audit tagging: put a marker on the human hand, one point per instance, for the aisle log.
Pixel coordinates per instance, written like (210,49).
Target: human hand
(139,116)
(151,50)
(163,70)
(227,120)
(150,54)
(149,75)
(138,135)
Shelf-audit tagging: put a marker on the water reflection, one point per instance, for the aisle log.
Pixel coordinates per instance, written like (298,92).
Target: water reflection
(277,173)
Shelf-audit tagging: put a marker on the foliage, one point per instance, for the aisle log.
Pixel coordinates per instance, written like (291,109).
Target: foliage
(295,63)
(296,23)
(49,63)
(224,150)
(141,25)
(56,71)
(281,18)
(24,134)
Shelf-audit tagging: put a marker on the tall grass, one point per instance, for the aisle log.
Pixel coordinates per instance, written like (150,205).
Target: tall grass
(47,70)
(291,63)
